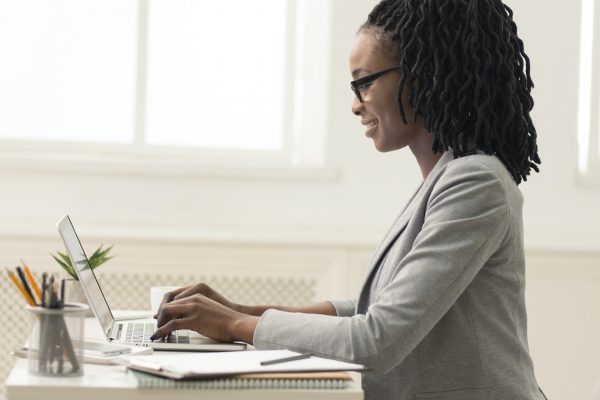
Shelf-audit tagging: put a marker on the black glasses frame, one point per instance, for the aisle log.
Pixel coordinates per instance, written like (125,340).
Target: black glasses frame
(356,85)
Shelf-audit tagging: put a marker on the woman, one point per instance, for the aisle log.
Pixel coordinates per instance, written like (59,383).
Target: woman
(441,314)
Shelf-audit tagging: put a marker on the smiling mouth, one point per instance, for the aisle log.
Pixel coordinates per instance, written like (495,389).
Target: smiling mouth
(371,123)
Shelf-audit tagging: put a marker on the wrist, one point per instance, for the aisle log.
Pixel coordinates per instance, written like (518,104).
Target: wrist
(243,327)
(244,309)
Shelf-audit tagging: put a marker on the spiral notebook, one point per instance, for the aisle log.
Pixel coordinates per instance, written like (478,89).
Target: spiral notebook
(303,381)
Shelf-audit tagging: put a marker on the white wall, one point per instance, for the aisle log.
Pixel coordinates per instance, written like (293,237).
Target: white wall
(560,213)
(352,210)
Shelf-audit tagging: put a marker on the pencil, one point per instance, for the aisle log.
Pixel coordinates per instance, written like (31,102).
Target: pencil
(286,359)
(32,280)
(21,276)
(15,281)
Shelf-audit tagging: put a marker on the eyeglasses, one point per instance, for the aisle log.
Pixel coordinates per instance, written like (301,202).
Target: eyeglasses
(364,83)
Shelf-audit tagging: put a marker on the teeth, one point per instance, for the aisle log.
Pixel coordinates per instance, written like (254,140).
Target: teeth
(372,123)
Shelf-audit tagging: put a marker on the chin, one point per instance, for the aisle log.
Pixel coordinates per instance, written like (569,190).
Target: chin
(385,147)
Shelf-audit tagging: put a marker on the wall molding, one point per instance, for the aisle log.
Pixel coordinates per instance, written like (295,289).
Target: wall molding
(339,266)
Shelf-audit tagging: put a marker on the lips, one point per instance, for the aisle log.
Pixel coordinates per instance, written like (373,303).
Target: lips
(371,125)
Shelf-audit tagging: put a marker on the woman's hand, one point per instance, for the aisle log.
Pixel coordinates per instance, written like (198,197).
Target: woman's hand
(202,289)
(206,316)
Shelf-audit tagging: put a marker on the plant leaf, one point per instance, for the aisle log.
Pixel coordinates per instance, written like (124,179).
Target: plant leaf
(99,262)
(105,251)
(66,259)
(60,262)
(99,257)
(97,252)
(68,268)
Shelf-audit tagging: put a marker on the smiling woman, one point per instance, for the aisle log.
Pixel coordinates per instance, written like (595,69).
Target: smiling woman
(376,88)
(441,313)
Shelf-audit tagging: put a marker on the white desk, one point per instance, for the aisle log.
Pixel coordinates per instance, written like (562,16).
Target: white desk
(115,383)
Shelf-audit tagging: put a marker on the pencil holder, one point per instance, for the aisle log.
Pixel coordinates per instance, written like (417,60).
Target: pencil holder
(55,340)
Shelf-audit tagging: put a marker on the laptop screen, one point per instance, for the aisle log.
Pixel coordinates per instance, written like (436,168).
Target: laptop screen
(86,275)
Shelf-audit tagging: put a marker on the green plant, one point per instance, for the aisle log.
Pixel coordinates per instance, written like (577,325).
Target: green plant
(99,257)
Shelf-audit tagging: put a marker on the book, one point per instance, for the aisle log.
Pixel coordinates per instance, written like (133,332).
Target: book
(304,381)
(198,366)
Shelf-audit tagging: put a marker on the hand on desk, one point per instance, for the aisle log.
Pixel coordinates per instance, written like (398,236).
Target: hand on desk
(189,308)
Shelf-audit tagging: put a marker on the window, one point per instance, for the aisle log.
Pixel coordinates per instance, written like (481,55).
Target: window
(589,92)
(178,77)
(67,70)
(215,74)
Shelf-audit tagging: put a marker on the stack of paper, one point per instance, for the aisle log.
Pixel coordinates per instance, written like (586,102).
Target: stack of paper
(218,365)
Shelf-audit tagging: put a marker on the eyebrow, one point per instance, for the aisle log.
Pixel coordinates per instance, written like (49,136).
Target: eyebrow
(357,71)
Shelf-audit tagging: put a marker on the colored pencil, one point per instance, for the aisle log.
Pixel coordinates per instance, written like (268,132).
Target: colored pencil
(20,288)
(32,280)
(21,276)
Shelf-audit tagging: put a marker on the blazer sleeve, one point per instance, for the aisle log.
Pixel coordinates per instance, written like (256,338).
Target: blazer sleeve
(344,308)
(465,220)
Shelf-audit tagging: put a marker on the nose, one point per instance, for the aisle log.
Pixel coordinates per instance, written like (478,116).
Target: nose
(357,106)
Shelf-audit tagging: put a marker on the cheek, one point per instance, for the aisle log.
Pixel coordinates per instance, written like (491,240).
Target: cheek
(392,118)
(390,108)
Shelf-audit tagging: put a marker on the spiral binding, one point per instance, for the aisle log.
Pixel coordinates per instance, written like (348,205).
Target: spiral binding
(147,381)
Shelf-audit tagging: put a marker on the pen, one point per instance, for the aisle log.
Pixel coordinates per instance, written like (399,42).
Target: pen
(32,280)
(62,294)
(15,282)
(44,278)
(286,359)
(51,303)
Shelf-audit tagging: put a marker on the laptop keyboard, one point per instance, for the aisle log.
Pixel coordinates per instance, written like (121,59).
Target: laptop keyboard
(138,334)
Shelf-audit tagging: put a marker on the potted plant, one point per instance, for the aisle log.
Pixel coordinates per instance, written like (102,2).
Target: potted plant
(73,291)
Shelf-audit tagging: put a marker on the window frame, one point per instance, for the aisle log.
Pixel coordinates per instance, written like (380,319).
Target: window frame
(588,131)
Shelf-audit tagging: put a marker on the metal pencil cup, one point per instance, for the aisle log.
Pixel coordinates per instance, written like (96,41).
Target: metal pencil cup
(55,341)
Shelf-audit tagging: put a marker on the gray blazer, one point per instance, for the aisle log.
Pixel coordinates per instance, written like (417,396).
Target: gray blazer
(441,314)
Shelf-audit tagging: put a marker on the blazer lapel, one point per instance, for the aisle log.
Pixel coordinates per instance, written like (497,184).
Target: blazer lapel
(399,226)
(388,241)
(395,230)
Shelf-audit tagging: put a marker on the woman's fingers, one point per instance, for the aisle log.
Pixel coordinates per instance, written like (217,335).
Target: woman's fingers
(168,297)
(172,325)
(198,313)
(189,291)
(201,288)
(173,310)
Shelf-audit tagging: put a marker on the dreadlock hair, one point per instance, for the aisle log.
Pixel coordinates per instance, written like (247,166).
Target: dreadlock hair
(462,63)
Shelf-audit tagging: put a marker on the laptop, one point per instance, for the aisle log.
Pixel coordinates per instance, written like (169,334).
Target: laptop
(134,332)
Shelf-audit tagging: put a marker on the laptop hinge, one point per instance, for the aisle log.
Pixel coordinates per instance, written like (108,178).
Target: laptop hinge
(115,334)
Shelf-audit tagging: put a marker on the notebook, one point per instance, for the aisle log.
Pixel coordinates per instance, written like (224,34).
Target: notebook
(127,331)
(204,366)
(303,381)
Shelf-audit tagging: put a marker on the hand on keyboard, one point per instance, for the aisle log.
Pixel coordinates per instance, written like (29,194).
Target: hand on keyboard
(206,316)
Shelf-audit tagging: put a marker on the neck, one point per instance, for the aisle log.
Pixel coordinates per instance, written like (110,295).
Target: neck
(421,149)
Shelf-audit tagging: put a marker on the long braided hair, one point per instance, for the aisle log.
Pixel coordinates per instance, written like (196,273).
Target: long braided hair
(466,73)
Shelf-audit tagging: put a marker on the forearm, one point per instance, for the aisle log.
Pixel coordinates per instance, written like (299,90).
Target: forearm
(243,327)
(324,308)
